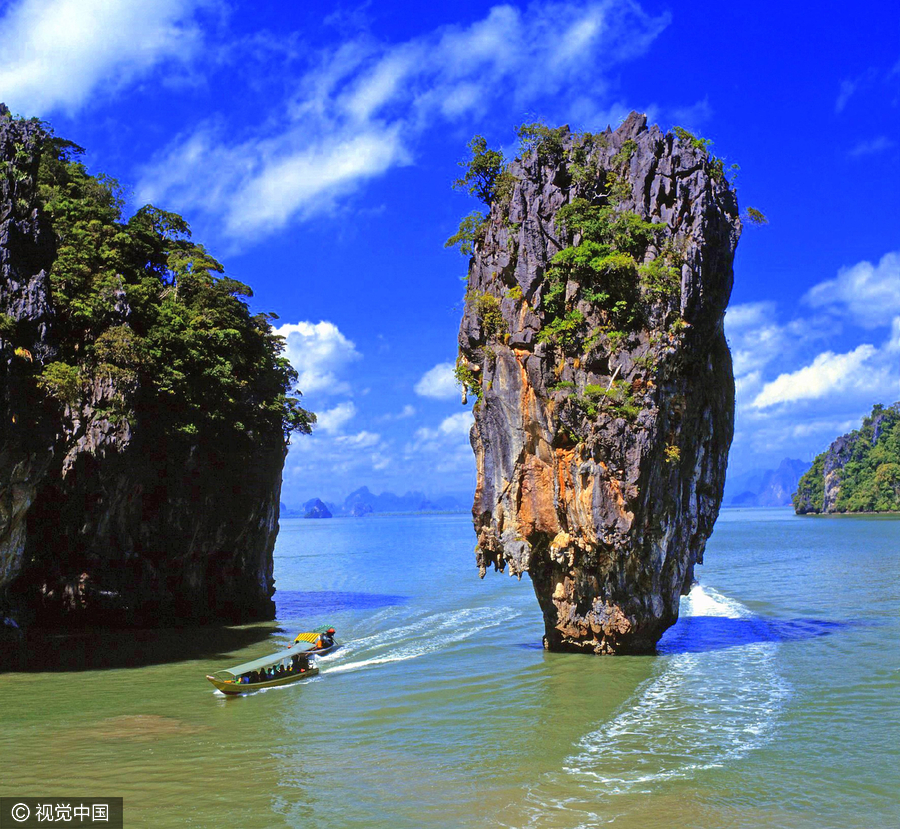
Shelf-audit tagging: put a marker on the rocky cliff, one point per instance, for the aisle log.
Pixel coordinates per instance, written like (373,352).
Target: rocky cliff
(316,509)
(592,337)
(860,471)
(128,493)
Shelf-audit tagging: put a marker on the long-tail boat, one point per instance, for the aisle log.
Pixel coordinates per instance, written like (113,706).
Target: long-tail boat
(294,664)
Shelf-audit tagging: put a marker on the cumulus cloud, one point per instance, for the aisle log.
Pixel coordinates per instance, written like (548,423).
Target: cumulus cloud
(59,53)
(828,374)
(258,186)
(869,293)
(438,383)
(446,445)
(358,111)
(334,419)
(795,390)
(318,351)
(758,339)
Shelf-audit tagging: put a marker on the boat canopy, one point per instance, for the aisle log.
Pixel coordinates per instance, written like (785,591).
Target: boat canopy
(312,636)
(264,661)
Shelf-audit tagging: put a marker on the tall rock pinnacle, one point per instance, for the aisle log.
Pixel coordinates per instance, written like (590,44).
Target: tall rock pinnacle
(593,338)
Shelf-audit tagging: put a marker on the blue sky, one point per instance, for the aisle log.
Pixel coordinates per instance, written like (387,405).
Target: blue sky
(312,151)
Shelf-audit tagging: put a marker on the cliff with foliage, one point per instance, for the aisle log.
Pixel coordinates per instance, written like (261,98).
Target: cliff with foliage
(144,411)
(592,338)
(860,472)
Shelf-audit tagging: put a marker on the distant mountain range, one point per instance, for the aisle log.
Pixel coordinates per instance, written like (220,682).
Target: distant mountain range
(363,502)
(756,488)
(765,487)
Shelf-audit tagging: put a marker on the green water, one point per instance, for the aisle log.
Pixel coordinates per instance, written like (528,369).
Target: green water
(774,701)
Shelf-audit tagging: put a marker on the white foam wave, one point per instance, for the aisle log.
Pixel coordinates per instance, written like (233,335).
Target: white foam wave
(701,710)
(427,635)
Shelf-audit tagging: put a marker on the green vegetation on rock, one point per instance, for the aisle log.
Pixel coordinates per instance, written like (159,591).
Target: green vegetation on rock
(860,472)
(139,304)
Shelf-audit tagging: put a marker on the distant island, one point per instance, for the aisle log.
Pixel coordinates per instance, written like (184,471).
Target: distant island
(362,502)
(316,509)
(860,472)
(765,487)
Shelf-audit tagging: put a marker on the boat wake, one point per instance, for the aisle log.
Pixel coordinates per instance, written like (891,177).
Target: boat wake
(702,710)
(436,632)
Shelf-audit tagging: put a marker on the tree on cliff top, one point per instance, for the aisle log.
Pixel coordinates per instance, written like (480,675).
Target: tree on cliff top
(141,305)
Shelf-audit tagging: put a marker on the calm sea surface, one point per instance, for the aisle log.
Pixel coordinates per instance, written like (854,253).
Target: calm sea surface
(774,702)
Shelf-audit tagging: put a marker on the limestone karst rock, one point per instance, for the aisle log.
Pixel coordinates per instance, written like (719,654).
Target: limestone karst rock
(315,508)
(595,346)
(106,515)
(859,472)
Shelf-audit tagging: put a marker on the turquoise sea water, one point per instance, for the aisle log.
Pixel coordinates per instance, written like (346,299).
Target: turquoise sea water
(775,701)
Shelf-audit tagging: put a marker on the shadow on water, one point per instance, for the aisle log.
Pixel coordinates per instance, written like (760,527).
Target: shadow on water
(91,649)
(294,603)
(103,648)
(697,634)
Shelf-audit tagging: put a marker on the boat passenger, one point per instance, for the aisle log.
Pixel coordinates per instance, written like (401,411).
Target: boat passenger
(325,640)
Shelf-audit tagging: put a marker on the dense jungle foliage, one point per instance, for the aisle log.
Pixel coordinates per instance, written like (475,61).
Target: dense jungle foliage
(140,304)
(867,470)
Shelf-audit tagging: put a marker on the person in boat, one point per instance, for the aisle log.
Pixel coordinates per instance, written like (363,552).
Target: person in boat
(325,640)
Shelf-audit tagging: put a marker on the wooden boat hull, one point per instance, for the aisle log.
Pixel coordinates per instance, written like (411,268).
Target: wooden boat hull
(235,688)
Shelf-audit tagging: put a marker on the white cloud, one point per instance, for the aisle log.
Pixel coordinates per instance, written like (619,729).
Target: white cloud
(59,53)
(870,293)
(828,374)
(795,390)
(748,315)
(826,429)
(333,420)
(361,440)
(318,351)
(360,110)
(850,86)
(447,444)
(693,117)
(893,343)
(458,424)
(757,339)
(450,428)
(872,147)
(438,383)
(406,412)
